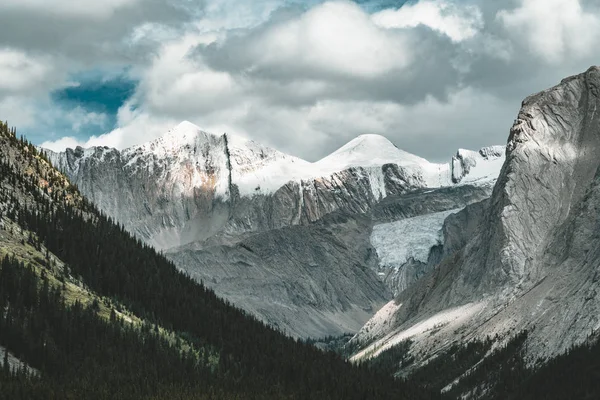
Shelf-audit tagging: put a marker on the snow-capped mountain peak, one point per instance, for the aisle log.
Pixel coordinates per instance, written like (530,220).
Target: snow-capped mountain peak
(369,150)
(258,169)
(184,135)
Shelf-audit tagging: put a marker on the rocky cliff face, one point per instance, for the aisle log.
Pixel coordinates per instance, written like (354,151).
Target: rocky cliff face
(328,277)
(309,281)
(528,258)
(189,185)
(162,191)
(283,238)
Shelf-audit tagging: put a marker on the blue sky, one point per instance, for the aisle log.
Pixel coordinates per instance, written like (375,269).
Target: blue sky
(302,76)
(97,94)
(377,5)
(94,93)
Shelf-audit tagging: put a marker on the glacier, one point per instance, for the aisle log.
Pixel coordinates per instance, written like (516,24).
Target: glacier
(402,244)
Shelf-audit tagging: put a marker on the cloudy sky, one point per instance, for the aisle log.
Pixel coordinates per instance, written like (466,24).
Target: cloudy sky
(302,76)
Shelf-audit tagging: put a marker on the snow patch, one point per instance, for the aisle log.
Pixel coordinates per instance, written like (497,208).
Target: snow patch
(373,152)
(470,167)
(369,150)
(257,169)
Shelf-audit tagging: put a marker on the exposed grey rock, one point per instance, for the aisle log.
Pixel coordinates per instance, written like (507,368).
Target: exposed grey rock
(309,281)
(16,364)
(461,227)
(206,199)
(426,201)
(533,260)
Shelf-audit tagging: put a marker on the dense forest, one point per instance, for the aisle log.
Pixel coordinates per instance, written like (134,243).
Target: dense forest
(475,371)
(76,351)
(185,342)
(251,360)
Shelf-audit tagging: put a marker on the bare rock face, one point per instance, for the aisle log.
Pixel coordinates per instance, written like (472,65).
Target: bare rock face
(527,258)
(285,239)
(163,192)
(308,281)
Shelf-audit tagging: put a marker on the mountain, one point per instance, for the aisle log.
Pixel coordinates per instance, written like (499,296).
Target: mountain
(91,312)
(287,240)
(187,174)
(88,311)
(525,260)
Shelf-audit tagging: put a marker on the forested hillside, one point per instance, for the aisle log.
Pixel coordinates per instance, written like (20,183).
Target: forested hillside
(97,314)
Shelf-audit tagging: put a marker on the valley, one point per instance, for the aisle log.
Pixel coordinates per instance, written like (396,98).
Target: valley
(285,239)
(395,263)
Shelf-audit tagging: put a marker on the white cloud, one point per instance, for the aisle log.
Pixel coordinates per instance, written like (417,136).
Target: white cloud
(415,127)
(139,129)
(150,33)
(235,14)
(134,126)
(80,118)
(174,84)
(79,8)
(495,47)
(20,72)
(553,29)
(67,142)
(19,111)
(456,22)
(330,38)
(431,75)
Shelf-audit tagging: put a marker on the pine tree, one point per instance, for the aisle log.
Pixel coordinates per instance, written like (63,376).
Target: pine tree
(5,364)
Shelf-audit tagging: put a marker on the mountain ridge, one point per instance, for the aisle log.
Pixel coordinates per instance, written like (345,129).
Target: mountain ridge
(530,262)
(199,196)
(250,159)
(212,173)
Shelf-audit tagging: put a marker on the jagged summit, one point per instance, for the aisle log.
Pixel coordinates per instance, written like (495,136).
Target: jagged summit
(186,125)
(470,166)
(492,151)
(184,135)
(529,256)
(184,132)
